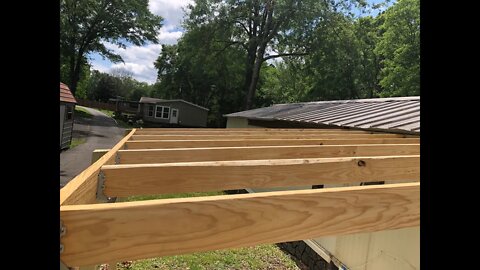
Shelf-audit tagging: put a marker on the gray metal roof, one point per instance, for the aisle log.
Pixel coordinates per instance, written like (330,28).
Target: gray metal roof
(392,114)
(158,101)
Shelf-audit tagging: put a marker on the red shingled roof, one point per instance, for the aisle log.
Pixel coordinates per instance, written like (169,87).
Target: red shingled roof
(65,94)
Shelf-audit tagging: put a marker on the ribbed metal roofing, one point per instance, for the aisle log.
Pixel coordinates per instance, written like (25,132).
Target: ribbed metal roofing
(392,114)
(66,95)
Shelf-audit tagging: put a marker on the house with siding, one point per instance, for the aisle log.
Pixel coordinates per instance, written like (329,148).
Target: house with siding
(392,249)
(67,108)
(173,112)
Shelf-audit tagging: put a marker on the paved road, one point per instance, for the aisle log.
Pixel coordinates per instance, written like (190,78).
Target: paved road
(101,132)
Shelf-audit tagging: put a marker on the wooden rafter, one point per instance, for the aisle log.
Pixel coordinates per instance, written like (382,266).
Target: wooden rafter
(262,136)
(136,230)
(142,179)
(169,155)
(149,144)
(156,161)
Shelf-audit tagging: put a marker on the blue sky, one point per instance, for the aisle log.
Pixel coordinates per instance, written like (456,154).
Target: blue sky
(139,59)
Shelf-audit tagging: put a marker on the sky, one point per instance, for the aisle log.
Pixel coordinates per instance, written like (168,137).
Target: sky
(139,59)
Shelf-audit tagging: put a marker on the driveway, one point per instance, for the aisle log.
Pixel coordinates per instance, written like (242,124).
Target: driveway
(100,131)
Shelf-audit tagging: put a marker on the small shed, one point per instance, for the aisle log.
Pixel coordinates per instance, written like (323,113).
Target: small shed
(173,112)
(67,107)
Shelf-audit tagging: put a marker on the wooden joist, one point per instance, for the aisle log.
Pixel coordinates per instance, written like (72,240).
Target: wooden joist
(240,131)
(261,142)
(82,189)
(170,155)
(134,230)
(160,161)
(139,179)
(263,136)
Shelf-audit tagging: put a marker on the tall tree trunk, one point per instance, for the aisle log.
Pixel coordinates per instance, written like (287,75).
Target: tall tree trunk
(75,75)
(72,83)
(249,67)
(252,88)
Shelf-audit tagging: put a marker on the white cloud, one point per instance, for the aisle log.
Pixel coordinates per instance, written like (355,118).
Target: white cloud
(139,59)
(169,37)
(170,10)
(140,72)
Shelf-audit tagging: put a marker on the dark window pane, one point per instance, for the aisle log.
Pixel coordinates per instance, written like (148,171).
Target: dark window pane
(159,112)
(69,114)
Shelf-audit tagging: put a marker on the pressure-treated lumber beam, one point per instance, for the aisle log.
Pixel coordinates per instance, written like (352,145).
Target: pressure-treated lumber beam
(171,155)
(82,189)
(168,131)
(135,230)
(264,136)
(137,179)
(260,142)
(245,129)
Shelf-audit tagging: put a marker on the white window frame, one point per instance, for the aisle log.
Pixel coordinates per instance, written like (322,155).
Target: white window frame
(153,110)
(162,111)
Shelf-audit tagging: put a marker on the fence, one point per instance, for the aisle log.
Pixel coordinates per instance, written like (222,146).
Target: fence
(121,106)
(96,104)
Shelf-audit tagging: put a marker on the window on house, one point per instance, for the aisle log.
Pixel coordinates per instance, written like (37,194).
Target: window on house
(69,114)
(150,110)
(162,112)
(166,112)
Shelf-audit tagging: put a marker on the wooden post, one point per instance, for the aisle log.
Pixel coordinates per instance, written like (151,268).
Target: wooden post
(98,153)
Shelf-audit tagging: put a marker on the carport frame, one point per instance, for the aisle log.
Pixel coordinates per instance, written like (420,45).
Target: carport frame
(96,233)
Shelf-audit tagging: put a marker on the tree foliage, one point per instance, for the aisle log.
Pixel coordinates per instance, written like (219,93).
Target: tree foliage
(103,86)
(87,24)
(264,30)
(399,46)
(200,70)
(289,51)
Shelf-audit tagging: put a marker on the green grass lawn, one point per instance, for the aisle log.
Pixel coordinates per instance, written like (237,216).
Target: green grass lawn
(81,112)
(255,258)
(120,122)
(250,258)
(107,112)
(77,142)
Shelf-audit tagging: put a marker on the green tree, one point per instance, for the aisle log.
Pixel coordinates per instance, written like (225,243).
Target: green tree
(102,87)
(203,71)
(368,71)
(86,24)
(399,46)
(265,29)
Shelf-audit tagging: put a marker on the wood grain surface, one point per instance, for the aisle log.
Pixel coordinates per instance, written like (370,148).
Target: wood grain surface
(83,188)
(261,142)
(142,179)
(170,155)
(134,230)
